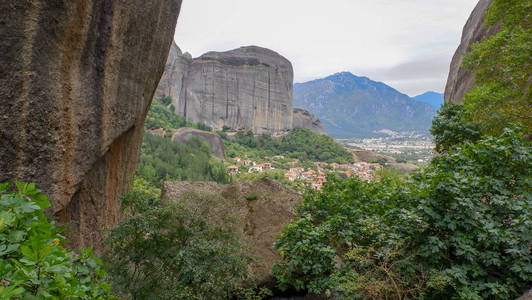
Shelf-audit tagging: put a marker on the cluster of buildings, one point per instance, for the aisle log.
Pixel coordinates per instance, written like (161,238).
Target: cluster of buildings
(313,177)
(253,167)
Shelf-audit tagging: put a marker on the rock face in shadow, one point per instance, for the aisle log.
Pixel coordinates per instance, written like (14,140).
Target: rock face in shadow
(260,208)
(77,80)
(461,80)
(303,118)
(249,88)
(216,143)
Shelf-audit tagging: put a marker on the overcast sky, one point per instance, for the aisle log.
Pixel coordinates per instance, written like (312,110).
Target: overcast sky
(407,44)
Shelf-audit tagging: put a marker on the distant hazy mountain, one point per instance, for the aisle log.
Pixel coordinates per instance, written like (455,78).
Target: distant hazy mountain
(431,98)
(352,106)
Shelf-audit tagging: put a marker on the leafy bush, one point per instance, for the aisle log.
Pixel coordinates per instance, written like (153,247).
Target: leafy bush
(175,251)
(33,263)
(451,128)
(462,229)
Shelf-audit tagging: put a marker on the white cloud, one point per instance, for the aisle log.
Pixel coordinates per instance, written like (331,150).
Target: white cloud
(384,39)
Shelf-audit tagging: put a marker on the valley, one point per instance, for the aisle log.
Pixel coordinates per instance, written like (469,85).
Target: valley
(131,169)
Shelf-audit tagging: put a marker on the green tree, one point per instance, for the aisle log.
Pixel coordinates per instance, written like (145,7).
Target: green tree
(451,128)
(164,160)
(33,264)
(176,251)
(502,65)
(459,230)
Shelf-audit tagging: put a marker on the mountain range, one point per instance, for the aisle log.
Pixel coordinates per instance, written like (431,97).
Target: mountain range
(350,106)
(431,98)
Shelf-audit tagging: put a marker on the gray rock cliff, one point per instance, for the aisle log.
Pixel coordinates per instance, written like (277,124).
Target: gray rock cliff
(249,88)
(303,118)
(77,79)
(216,143)
(461,80)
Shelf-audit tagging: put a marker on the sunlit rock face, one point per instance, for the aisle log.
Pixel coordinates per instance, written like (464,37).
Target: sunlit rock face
(249,88)
(77,80)
(460,79)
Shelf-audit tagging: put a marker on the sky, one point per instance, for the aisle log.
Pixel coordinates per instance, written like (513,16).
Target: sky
(408,44)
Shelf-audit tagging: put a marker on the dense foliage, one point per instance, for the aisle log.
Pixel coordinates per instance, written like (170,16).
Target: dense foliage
(301,143)
(164,160)
(33,263)
(161,115)
(451,128)
(503,67)
(174,251)
(462,229)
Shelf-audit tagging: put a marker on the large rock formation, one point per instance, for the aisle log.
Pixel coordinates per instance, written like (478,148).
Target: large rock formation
(461,80)
(261,209)
(76,82)
(215,142)
(303,118)
(249,88)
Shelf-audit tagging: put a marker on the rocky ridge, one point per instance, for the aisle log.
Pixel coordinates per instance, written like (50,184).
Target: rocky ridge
(249,88)
(303,118)
(460,79)
(76,81)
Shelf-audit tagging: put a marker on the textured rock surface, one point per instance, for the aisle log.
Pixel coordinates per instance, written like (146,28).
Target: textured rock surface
(249,88)
(461,80)
(259,221)
(526,296)
(217,145)
(76,82)
(303,118)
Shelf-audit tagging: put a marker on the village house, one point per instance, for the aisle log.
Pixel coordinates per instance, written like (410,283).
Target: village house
(334,165)
(232,170)
(158,132)
(297,170)
(237,159)
(248,162)
(308,175)
(316,186)
(320,179)
(255,169)
(321,164)
(290,176)
(266,165)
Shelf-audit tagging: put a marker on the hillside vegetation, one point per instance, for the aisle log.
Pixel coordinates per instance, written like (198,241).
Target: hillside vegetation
(462,228)
(301,143)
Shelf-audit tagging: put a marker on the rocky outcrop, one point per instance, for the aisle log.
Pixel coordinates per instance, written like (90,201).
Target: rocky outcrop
(216,143)
(261,209)
(76,82)
(303,118)
(461,80)
(526,296)
(249,88)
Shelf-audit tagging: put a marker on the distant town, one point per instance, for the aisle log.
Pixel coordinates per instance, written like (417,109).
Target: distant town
(293,171)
